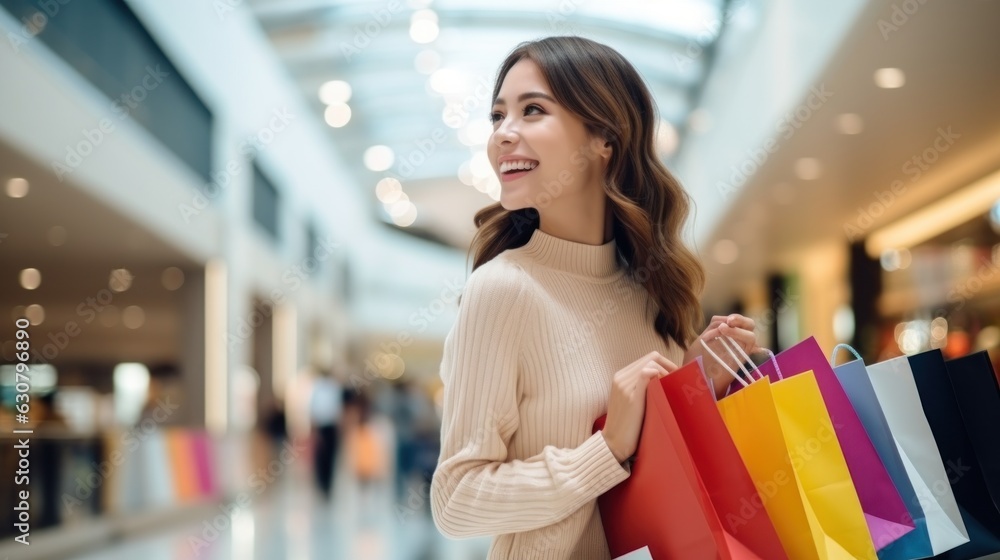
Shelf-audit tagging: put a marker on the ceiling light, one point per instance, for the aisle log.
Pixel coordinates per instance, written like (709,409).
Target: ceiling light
(120,280)
(388,190)
(35,314)
(482,183)
(427,61)
(494,190)
(849,123)
(17,187)
(399,208)
(808,168)
(424,26)
(133,317)
(725,251)
(337,115)
(57,236)
(465,173)
(335,92)
(934,219)
(447,81)
(407,218)
(476,133)
(31,278)
(700,120)
(890,78)
(172,278)
(667,139)
(379,158)
(480,164)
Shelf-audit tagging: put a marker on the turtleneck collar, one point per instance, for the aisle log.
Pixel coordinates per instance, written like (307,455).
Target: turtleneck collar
(596,261)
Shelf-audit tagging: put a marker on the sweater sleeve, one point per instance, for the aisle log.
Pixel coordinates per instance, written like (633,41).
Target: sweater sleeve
(476,490)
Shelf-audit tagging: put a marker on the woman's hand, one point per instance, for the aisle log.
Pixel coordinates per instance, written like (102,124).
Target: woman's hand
(628,402)
(735,326)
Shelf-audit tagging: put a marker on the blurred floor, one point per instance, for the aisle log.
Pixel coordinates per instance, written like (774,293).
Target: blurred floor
(291,521)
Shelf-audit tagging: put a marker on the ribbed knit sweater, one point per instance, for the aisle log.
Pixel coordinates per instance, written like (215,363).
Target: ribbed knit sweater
(527,368)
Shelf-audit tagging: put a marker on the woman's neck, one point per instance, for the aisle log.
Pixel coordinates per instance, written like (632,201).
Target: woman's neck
(591,225)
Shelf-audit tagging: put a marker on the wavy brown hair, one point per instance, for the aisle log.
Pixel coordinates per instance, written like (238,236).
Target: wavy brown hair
(648,204)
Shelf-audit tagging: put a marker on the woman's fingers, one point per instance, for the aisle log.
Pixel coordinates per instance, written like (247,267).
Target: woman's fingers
(747,339)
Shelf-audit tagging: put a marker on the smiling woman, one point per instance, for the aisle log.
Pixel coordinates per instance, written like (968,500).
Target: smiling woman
(581,293)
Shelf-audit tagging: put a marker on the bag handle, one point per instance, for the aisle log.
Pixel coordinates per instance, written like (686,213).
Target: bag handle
(843,346)
(745,359)
(774,361)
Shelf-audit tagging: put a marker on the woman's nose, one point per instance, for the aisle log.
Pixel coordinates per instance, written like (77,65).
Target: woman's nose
(504,135)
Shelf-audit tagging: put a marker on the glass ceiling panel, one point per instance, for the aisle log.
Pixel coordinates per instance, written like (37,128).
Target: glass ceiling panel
(393,104)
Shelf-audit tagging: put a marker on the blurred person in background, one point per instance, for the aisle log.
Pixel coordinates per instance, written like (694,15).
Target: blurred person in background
(416,428)
(368,451)
(326,403)
(587,233)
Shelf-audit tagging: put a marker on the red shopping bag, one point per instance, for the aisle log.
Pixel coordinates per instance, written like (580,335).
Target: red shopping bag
(689,495)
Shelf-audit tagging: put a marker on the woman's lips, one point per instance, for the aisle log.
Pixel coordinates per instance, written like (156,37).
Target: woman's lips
(515,175)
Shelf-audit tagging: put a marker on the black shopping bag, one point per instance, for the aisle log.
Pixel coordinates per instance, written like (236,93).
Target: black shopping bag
(967,478)
(978,394)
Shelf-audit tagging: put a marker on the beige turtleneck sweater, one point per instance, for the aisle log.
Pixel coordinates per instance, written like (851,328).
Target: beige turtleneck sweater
(527,368)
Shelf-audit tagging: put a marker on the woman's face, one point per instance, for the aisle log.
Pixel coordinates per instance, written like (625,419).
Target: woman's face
(539,150)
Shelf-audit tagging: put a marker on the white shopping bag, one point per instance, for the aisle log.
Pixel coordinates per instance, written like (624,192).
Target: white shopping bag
(897,393)
(641,554)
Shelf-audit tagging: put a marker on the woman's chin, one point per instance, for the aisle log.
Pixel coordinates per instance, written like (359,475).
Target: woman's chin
(512,203)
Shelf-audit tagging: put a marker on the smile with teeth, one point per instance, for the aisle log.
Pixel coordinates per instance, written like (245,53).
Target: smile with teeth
(517,165)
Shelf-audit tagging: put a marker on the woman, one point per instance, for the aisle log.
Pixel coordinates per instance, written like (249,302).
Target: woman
(581,293)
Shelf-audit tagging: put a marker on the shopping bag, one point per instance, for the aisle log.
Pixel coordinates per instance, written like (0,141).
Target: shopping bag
(718,463)
(978,510)
(885,513)
(665,504)
(978,395)
(641,554)
(787,440)
(853,378)
(894,387)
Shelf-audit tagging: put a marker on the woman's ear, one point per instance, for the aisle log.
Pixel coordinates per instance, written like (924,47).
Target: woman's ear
(602,147)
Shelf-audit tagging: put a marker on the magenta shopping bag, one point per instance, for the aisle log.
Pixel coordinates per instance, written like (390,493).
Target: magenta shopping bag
(887,516)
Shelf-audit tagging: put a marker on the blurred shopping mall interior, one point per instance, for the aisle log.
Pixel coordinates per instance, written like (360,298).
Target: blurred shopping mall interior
(236,230)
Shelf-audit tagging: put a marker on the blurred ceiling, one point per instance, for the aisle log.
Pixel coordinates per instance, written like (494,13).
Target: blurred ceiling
(420,77)
(947,54)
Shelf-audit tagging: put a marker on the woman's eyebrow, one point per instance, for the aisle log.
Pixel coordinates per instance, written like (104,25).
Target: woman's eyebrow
(523,96)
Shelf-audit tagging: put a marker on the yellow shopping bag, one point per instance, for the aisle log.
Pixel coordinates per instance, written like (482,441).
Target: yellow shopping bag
(784,435)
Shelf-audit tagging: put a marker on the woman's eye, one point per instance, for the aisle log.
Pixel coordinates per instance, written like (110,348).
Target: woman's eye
(529,108)
(495,117)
